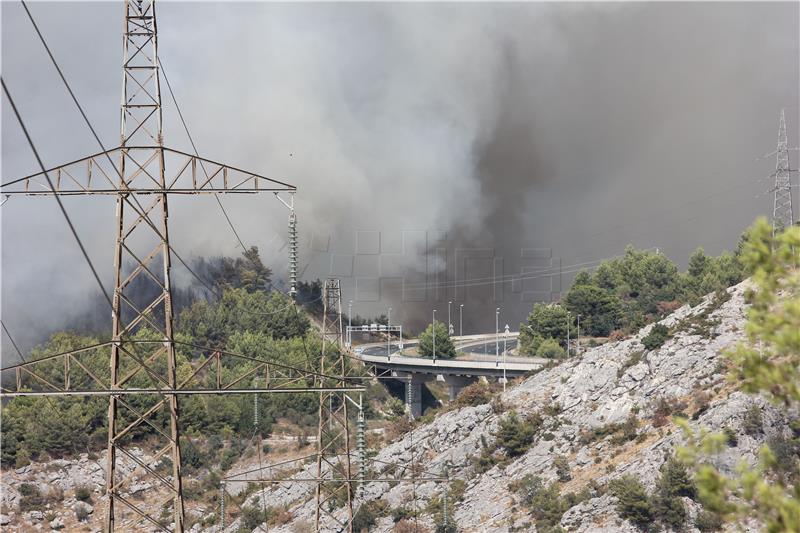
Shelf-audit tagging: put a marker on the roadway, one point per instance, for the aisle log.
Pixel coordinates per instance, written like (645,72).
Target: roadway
(476,358)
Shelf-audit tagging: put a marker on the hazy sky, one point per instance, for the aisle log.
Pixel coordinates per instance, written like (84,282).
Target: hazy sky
(429,142)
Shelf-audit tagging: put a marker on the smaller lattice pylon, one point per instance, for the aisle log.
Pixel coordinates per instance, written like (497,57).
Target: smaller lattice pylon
(782,210)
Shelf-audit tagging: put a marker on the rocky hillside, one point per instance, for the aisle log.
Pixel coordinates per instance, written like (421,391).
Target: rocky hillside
(596,418)
(542,456)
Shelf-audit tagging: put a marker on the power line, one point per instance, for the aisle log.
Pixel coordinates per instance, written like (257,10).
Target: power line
(539,273)
(14,344)
(194,147)
(216,197)
(22,358)
(57,197)
(142,212)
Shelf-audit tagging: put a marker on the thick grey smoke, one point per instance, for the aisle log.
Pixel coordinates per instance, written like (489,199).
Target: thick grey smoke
(543,133)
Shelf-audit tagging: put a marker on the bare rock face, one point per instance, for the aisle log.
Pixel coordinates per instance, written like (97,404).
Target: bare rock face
(581,401)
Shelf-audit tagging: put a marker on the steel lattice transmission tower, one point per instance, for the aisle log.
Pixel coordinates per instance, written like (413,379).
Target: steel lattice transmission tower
(140,152)
(782,212)
(334,473)
(142,387)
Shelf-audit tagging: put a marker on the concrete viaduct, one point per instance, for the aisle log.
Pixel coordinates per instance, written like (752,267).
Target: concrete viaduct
(472,363)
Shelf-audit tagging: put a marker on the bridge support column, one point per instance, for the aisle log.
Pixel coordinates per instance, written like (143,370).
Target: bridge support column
(456,383)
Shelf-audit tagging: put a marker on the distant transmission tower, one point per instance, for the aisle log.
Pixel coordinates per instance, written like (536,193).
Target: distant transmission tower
(782,213)
(334,473)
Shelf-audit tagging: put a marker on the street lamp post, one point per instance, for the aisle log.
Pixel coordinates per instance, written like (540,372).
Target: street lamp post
(461,320)
(578,338)
(433,329)
(497,337)
(448,318)
(569,319)
(389,334)
(349,323)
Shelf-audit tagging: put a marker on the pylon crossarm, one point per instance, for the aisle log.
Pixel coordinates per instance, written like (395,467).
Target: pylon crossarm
(7,393)
(90,161)
(282,378)
(295,371)
(39,360)
(54,372)
(79,177)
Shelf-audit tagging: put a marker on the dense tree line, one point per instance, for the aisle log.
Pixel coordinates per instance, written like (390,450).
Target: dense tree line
(247,318)
(625,293)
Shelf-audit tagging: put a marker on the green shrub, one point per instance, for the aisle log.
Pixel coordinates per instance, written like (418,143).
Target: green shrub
(448,527)
(83,494)
(675,479)
(395,407)
(401,513)
(516,435)
(632,501)
(229,457)
(22,459)
(484,462)
(620,433)
(656,338)
(664,409)
(673,483)
(786,455)
(550,349)
(474,395)
(708,521)
(252,517)
(626,431)
(368,514)
(731,438)
(561,465)
(753,422)
(30,497)
(545,321)
(544,501)
(26,489)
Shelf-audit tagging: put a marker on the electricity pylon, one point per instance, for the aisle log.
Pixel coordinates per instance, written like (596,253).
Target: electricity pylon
(143,388)
(334,490)
(782,213)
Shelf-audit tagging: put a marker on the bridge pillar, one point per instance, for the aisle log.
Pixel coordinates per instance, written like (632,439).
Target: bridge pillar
(456,383)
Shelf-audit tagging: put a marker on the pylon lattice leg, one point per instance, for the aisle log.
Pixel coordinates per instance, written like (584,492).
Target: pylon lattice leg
(142,294)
